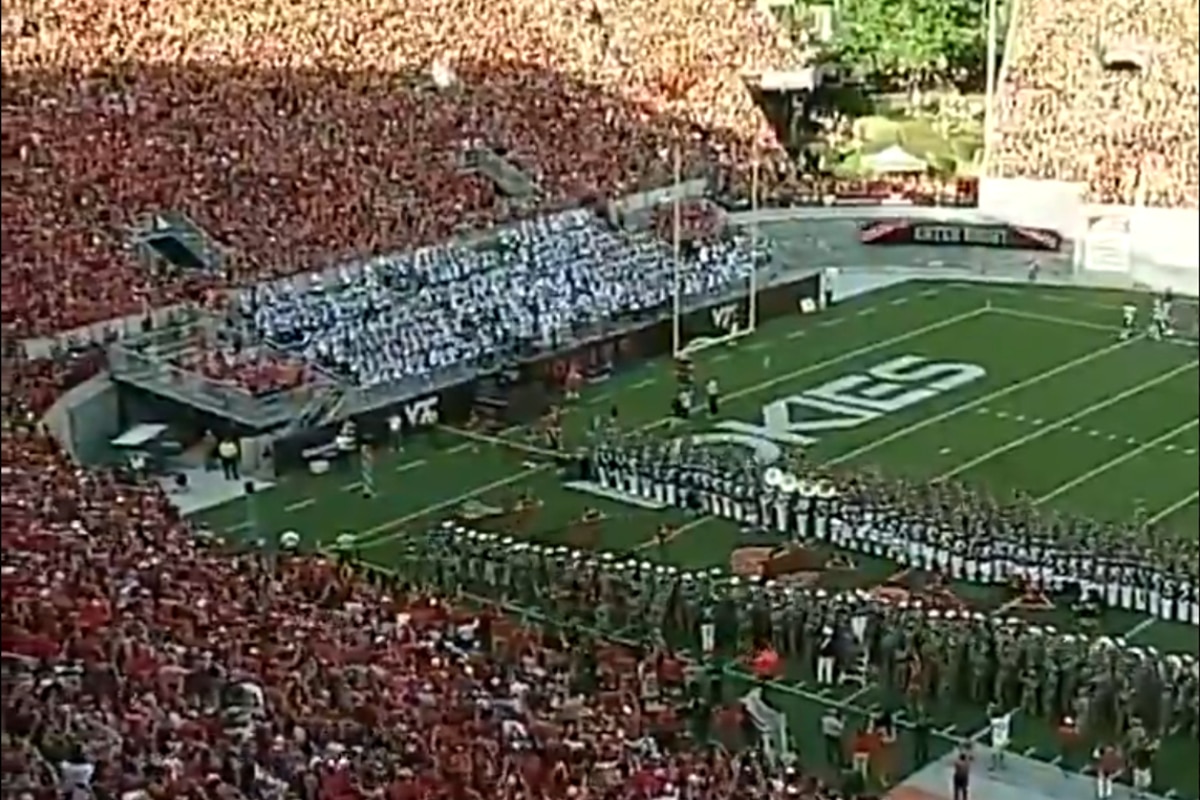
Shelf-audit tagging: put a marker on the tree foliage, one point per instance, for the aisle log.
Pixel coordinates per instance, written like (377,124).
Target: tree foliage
(914,42)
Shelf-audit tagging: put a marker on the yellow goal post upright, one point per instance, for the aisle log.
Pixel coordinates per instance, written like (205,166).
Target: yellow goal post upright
(744,319)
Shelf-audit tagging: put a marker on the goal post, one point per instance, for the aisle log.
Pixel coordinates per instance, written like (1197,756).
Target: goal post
(726,322)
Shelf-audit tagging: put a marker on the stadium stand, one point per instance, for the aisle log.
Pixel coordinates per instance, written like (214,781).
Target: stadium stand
(182,106)
(413,316)
(140,660)
(1103,92)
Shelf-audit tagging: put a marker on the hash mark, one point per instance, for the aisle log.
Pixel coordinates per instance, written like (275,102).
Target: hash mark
(1075,429)
(1191,451)
(866,312)
(1112,437)
(721,357)
(929,292)
(796,334)
(1039,422)
(1169,448)
(1093,433)
(1131,440)
(984,410)
(899,301)
(1019,417)
(1029,751)
(829,323)
(1002,414)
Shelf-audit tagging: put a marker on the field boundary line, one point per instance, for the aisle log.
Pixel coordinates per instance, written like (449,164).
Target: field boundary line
(1128,455)
(1020,441)
(1004,391)
(1035,316)
(382,531)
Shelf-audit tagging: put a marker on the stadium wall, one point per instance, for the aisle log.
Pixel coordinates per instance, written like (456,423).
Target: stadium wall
(85,419)
(1156,247)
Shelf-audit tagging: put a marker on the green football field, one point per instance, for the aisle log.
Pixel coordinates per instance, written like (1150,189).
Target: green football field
(1036,393)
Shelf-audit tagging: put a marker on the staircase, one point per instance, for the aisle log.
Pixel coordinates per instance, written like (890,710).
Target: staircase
(507,176)
(171,239)
(326,404)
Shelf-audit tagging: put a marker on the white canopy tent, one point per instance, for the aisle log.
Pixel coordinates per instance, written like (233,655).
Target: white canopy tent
(894,159)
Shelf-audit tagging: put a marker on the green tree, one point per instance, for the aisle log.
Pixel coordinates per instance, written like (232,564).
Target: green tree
(914,43)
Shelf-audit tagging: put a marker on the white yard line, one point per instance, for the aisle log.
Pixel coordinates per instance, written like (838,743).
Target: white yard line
(1067,420)
(1141,627)
(929,422)
(675,534)
(384,530)
(1116,462)
(1068,321)
(1176,506)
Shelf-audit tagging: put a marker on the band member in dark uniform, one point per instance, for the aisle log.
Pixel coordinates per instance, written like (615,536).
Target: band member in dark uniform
(712,391)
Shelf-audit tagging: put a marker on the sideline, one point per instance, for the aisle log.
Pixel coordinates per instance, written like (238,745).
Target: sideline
(384,530)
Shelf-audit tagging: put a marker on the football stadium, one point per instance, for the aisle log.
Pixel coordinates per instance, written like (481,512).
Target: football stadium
(643,398)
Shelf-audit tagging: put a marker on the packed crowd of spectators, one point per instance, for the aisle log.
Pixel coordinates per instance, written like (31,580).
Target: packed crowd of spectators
(1104,92)
(420,315)
(256,370)
(699,221)
(296,132)
(143,660)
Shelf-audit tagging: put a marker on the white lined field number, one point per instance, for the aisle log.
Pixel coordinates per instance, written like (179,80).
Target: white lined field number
(843,404)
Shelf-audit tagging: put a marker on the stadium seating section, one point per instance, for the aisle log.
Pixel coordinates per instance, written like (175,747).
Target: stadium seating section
(302,132)
(1128,130)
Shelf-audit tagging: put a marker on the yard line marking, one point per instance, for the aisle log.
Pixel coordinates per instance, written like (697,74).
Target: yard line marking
(405,467)
(1171,509)
(675,534)
(381,530)
(299,504)
(385,530)
(1141,627)
(850,698)
(1067,420)
(1069,321)
(990,397)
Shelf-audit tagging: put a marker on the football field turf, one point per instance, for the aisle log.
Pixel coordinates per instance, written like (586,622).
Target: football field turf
(1027,389)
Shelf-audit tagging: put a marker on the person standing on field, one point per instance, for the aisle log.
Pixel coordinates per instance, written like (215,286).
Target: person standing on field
(713,392)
